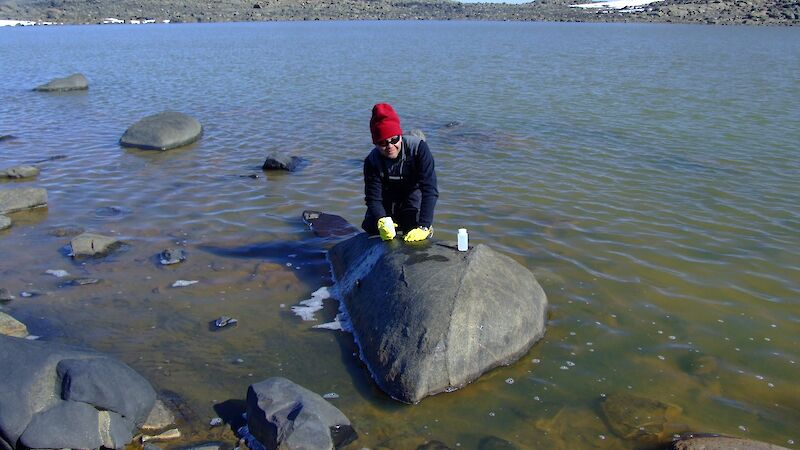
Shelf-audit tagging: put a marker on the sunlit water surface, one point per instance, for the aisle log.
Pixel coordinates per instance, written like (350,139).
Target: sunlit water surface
(648,175)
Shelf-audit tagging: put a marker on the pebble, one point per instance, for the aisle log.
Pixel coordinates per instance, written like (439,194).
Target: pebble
(57,272)
(509,381)
(215,422)
(224,321)
(28,294)
(331,395)
(184,283)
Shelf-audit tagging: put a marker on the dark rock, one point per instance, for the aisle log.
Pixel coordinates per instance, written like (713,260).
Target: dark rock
(640,419)
(5,222)
(162,131)
(12,200)
(328,225)
(79,282)
(74,82)
(7,137)
(430,319)
(171,256)
(90,244)
(716,442)
(281,414)
(277,161)
(20,172)
(5,295)
(107,384)
(50,158)
(111,211)
(31,397)
(495,443)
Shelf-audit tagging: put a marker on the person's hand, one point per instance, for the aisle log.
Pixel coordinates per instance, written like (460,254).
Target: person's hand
(417,234)
(386,228)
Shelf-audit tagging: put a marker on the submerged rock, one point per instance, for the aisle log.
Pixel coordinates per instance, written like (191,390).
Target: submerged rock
(277,161)
(5,222)
(282,414)
(69,230)
(79,282)
(12,200)
(74,82)
(171,256)
(90,244)
(20,172)
(10,326)
(640,419)
(5,295)
(56,396)
(163,131)
(429,318)
(716,442)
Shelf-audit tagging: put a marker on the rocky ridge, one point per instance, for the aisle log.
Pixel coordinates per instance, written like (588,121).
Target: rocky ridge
(760,12)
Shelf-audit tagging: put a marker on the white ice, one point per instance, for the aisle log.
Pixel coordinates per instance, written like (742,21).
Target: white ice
(614,4)
(307,308)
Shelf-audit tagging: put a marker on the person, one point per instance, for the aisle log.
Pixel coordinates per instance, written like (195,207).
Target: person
(399,180)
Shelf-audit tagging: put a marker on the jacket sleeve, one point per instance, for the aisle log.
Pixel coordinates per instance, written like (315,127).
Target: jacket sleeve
(373,190)
(427,184)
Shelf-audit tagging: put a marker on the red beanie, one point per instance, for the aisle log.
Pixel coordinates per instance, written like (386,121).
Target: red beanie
(384,123)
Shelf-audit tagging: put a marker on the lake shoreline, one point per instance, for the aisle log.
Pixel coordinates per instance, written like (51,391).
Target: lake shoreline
(720,12)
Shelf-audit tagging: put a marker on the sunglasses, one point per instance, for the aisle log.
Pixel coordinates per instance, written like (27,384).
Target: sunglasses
(390,141)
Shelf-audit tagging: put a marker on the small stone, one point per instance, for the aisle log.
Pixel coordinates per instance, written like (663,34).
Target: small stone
(330,396)
(5,222)
(28,294)
(58,273)
(171,256)
(79,282)
(90,244)
(215,422)
(184,283)
(224,321)
(5,295)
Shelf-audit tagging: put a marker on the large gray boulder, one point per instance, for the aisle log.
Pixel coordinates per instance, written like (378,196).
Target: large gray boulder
(282,414)
(162,131)
(35,409)
(428,318)
(74,82)
(12,200)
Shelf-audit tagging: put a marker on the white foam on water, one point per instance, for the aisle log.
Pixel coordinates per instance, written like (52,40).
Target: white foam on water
(307,308)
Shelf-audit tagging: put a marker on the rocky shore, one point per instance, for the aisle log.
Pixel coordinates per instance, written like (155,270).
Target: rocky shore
(726,12)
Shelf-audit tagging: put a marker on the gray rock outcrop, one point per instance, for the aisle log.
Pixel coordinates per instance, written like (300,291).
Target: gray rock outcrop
(163,131)
(430,319)
(55,396)
(282,414)
(90,244)
(12,200)
(5,222)
(277,161)
(20,172)
(74,82)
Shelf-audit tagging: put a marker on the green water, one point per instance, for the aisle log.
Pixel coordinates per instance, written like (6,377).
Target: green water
(648,175)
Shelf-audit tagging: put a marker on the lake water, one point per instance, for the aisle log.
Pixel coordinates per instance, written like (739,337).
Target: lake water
(649,175)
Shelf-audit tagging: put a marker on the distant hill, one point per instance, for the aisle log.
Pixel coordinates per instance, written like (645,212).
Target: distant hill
(770,12)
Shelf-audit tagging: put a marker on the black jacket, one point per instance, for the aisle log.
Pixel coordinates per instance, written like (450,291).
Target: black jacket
(409,181)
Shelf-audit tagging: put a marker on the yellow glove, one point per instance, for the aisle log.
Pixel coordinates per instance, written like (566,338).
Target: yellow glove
(386,228)
(417,234)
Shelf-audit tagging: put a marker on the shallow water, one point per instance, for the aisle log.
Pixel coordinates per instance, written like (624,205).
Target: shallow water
(647,174)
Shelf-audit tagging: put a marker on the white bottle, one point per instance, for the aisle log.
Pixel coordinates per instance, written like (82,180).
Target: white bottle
(463,240)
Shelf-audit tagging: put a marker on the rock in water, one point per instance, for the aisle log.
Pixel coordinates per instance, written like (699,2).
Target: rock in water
(428,318)
(12,200)
(10,326)
(20,172)
(5,222)
(640,419)
(74,82)
(715,442)
(282,414)
(276,161)
(171,256)
(328,225)
(162,131)
(90,244)
(39,408)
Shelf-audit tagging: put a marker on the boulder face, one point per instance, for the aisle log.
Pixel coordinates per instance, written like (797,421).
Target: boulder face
(282,414)
(74,82)
(12,200)
(162,131)
(428,318)
(35,411)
